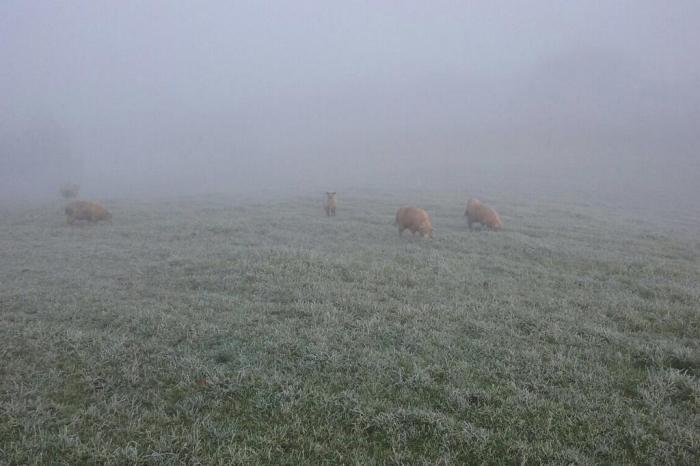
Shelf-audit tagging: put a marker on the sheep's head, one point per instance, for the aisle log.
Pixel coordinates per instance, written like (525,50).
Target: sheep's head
(69,190)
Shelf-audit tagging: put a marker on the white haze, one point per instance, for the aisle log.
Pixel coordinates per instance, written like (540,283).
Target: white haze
(133,98)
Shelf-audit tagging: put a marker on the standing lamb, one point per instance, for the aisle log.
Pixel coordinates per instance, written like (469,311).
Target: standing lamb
(330,204)
(70,190)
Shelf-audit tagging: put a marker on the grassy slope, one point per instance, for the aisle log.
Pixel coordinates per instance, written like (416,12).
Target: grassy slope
(206,331)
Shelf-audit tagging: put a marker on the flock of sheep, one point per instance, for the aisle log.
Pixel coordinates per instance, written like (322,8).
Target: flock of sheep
(417,220)
(414,219)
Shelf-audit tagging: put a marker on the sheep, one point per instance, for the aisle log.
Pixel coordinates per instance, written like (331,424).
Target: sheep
(330,204)
(84,210)
(477,212)
(70,190)
(415,220)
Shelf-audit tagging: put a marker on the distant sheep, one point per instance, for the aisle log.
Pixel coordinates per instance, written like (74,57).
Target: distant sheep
(70,190)
(330,204)
(481,213)
(415,220)
(84,210)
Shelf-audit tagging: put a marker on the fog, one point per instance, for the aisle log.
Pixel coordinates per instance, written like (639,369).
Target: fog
(133,98)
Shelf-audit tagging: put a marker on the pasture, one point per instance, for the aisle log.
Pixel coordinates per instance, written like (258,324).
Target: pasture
(215,331)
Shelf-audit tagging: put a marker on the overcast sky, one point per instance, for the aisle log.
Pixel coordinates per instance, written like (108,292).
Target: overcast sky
(139,96)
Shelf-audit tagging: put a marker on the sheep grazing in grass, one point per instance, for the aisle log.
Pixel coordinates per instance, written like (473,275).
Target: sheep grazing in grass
(415,220)
(477,212)
(70,190)
(330,204)
(84,210)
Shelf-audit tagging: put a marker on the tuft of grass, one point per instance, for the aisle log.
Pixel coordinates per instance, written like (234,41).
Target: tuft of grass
(205,331)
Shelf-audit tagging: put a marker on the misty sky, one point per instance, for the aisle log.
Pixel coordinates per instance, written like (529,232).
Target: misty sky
(132,97)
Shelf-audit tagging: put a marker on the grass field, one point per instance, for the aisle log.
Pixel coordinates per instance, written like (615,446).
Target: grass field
(216,331)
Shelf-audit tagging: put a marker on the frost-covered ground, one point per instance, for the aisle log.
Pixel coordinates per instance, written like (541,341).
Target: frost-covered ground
(217,331)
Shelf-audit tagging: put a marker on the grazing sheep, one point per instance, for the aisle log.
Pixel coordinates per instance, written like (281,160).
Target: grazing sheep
(84,210)
(415,220)
(330,204)
(481,213)
(70,190)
